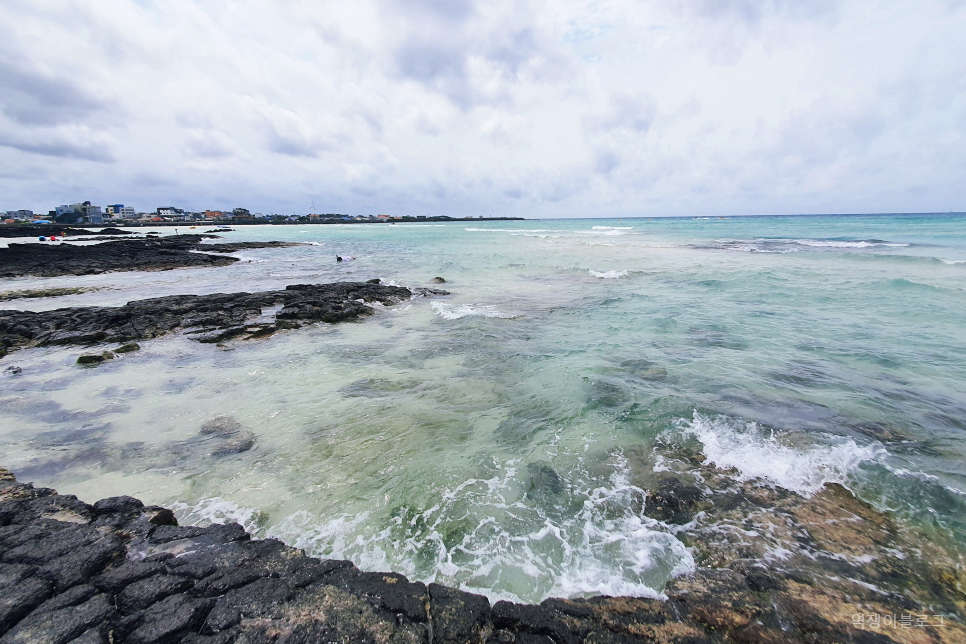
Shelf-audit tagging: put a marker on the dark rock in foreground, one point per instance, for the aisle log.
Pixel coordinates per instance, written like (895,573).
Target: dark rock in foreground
(120,572)
(20,230)
(153,254)
(210,318)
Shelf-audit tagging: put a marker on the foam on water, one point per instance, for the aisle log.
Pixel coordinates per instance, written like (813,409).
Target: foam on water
(823,243)
(509,549)
(758,453)
(612,228)
(608,275)
(456,311)
(211,510)
(371,437)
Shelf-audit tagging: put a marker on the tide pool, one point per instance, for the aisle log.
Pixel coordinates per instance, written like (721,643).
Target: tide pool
(505,438)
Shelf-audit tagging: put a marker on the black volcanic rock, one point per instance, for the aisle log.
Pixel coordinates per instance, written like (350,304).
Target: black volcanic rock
(172,584)
(210,318)
(26,230)
(50,259)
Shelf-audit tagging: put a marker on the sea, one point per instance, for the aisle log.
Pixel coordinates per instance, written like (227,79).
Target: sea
(501,438)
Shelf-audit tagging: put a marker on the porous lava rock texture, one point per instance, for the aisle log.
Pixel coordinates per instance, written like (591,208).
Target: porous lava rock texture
(50,259)
(121,572)
(209,318)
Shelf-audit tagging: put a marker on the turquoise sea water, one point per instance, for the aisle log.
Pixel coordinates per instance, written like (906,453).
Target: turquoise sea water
(500,438)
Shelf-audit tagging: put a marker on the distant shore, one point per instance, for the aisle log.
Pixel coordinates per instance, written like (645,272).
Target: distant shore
(250,222)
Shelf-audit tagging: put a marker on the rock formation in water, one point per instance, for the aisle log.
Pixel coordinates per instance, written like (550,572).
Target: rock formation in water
(153,254)
(27,230)
(209,318)
(119,572)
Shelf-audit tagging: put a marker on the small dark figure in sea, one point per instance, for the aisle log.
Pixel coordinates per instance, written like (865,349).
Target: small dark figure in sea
(347,258)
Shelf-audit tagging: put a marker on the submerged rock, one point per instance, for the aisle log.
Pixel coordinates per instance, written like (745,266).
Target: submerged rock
(222,425)
(95,358)
(124,573)
(232,439)
(673,502)
(145,254)
(128,348)
(210,318)
(46,292)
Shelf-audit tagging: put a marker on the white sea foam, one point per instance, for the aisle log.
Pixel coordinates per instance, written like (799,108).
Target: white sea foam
(210,510)
(608,275)
(612,228)
(509,230)
(953,261)
(457,311)
(513,550)
(762,454)
(610,232)
(819,243)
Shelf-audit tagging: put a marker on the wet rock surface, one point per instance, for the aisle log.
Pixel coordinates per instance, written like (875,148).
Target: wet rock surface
(121,572)
(209,318)
(8,232)
(145,254)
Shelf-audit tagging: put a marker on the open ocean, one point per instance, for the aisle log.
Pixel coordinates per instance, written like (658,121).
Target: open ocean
(502,439)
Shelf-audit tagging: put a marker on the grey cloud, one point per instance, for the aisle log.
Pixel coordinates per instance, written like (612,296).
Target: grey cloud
(514,50)
(430,63)
(209,144)
(439,60)
(292,146)
(606,162)
(752,12)
(88,151)
(445,10)
(33,98)
(630,112)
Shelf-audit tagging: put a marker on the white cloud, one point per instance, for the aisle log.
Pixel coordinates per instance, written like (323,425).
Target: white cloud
(561,108)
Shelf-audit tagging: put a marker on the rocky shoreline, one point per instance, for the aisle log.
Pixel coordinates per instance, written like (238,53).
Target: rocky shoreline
(149,254)
(121,572)
(208,318)
(12,232)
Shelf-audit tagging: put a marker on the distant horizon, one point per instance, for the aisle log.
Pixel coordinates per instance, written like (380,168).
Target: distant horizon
(600,218)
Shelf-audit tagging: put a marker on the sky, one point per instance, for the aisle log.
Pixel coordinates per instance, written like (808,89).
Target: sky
(528,108)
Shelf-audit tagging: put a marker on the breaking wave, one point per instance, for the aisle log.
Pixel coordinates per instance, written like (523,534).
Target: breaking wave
(761,454)
(457,311)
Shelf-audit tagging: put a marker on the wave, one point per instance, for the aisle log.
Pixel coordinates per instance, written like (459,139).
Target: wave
(211,510)
(612,228)
(804,469)
(608,275)
(457,311)
(832,243)
(778,245)
(510,549)
(510,230)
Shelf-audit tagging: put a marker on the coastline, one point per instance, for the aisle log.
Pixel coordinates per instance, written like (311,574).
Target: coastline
(783,561)
(121,572)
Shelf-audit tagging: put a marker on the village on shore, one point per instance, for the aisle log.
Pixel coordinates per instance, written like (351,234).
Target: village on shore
(82,213)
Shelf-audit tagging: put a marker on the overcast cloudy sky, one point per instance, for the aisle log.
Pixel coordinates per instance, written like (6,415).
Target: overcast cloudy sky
(478,107)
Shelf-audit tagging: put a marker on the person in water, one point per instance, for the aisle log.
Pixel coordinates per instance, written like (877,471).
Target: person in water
(339,258)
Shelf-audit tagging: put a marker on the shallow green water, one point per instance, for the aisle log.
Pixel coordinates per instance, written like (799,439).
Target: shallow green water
(487,438)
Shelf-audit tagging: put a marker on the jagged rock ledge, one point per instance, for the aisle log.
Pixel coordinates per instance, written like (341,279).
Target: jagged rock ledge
(209,318)
(151,254)
(121,572)
(26,230)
